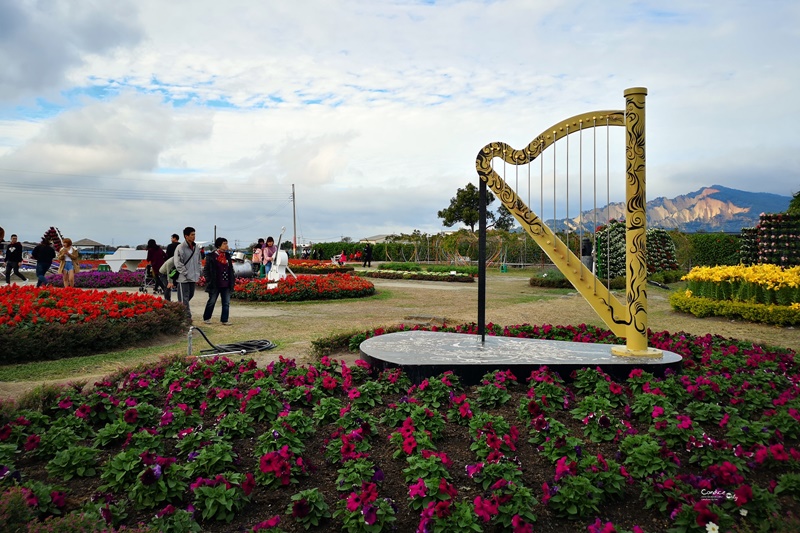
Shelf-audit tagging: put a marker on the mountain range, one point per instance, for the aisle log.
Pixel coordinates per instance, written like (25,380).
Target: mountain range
(709,209)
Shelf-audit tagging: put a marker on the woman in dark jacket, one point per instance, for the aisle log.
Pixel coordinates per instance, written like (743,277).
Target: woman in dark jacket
(156,258)
(220,279)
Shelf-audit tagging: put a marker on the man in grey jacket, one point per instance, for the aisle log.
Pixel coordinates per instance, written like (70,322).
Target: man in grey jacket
(187,262)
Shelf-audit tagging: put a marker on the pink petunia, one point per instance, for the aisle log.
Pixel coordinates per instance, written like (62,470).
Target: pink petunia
(418,489)
(486,509)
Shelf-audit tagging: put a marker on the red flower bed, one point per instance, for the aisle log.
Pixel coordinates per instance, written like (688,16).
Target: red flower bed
(304,287)
(31,306)
(55,322)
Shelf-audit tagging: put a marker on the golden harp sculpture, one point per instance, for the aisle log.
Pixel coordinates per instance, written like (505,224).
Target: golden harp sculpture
(628,320)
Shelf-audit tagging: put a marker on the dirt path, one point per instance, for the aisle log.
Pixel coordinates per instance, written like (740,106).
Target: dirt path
(510,300)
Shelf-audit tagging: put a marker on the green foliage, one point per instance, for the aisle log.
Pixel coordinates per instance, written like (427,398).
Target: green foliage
(75,461)
(218,500)
(712,249)
(504,469)
(121,470)
(577,498)
(515,499)
(789,483)
(15,513)
(435,392)
(354,472)
(180,521)
(327,410)
(776,315)
(354,521)
(151,490)
(210,460)
(550,279)
(417,267)
(308,507)
(461,518)
(794,205)
(429,468)
(643,456)
(237,425)
(491,395)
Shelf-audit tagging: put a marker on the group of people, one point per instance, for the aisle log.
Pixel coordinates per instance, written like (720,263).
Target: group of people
(264,254)
(179,268)
(44,254)
(176,269)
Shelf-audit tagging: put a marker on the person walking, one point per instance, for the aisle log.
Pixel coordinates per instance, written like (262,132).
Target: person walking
(68,263)
(14,259)
(156,258)
(187,262)
(44,254)
(368,255)
(170,253)
(220,279)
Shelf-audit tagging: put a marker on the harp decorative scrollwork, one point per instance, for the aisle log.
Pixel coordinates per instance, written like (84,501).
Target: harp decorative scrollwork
(629,319)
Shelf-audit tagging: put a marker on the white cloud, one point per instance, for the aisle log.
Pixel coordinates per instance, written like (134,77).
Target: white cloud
(374,110)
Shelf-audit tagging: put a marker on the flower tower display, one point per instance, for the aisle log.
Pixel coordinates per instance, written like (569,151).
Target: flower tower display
(661,253)
(778,239)
(54,236)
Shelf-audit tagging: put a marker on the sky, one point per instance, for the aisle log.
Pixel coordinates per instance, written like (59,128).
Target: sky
(125,120)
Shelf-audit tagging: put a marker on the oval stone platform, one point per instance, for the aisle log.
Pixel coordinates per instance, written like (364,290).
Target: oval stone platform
(426,354)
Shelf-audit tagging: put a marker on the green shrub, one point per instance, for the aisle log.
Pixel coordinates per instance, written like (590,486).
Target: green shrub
(777,315)
(712,249)
(550,279)
(57,341)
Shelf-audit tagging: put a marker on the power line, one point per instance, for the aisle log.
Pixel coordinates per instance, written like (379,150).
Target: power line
(133,194)
(219,189)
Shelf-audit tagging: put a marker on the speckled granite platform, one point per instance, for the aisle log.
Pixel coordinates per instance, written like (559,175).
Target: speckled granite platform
(424,354)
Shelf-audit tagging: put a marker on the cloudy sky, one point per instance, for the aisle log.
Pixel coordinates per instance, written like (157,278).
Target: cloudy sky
(127,120)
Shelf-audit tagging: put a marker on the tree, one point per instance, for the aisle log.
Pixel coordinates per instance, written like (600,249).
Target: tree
(465,208)
(794,205)
(505,220)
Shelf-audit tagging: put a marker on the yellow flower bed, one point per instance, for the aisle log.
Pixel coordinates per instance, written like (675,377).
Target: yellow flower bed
(770,277)
(762,284)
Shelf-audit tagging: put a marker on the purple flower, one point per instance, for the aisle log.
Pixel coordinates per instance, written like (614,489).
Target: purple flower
(370,514)
(150,475)
(301,508)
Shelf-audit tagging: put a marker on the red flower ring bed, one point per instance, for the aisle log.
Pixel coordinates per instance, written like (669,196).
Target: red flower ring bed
(304,287)
(56,322)
(221,445)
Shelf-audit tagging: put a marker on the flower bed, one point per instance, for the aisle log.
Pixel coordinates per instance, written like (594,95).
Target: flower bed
(304,287)
(764,284)
(226,446)
(92,279)
(777,315)
(56,322)
(767,294)
(418,276)
(315,266)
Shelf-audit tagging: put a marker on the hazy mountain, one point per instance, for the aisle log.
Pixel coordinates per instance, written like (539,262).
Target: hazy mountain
(710,209)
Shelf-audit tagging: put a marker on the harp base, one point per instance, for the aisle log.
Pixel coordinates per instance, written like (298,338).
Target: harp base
(623,351)
(427,354)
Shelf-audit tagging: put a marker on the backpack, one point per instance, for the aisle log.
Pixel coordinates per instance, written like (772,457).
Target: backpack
(169,269)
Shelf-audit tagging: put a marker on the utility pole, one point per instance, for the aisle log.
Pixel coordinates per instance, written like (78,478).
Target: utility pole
(294,224)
